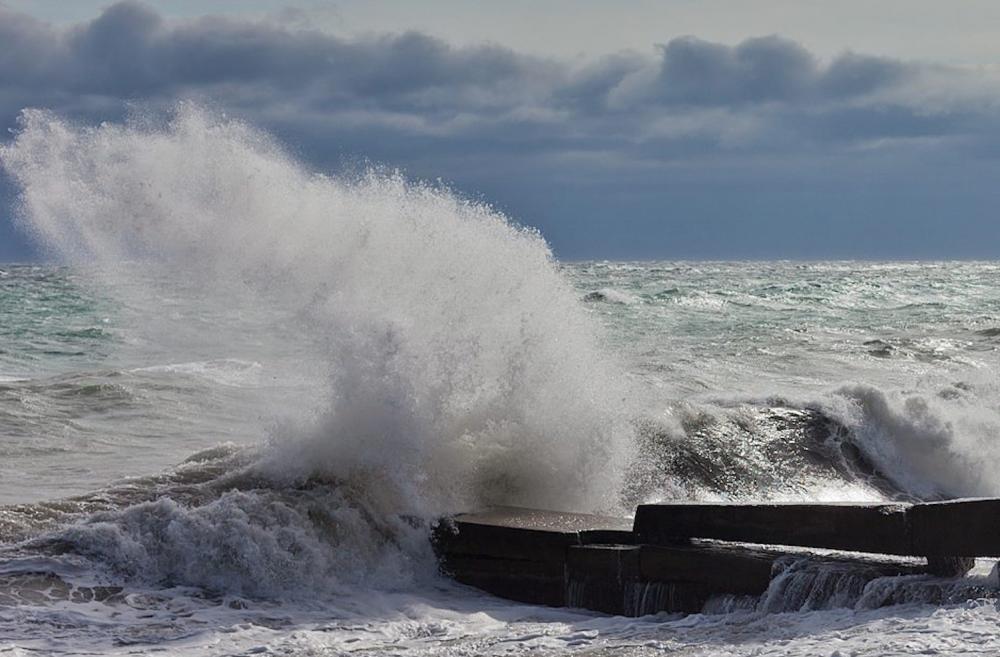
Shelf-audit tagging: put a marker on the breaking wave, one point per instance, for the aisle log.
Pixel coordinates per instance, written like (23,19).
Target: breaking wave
(460,367)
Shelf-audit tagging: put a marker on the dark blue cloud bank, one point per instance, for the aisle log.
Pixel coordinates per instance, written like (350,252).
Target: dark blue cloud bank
(694,150)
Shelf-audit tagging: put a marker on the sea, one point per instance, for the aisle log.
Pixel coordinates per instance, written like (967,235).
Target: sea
(237,393)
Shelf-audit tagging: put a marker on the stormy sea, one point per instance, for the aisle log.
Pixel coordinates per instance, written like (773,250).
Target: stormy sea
(239,392)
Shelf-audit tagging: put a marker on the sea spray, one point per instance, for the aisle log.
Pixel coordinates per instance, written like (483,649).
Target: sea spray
(462,370)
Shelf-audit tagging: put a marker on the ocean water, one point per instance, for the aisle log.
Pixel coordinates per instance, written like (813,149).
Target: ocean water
(231,412)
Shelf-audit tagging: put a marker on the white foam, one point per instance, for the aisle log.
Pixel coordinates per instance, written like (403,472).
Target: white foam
(453,621)
(271,544)
(930,446)
(227,371)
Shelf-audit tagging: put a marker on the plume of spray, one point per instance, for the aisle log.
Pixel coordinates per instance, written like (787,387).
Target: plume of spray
(462,369)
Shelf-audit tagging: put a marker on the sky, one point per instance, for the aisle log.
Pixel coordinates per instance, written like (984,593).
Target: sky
(676,129)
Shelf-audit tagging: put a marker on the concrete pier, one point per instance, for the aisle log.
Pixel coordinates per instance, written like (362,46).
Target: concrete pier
(878,528)
(520,554)
(675,557)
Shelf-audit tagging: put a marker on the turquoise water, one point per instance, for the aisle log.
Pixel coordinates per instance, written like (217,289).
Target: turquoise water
(92,389)
(807,324)
(49,323)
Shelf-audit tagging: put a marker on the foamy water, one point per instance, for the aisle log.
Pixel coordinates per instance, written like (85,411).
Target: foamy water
(228,421)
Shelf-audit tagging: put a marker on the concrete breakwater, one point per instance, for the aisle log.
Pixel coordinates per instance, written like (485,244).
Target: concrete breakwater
(678,557)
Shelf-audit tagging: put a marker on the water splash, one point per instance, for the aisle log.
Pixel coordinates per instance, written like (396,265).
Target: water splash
(462,369)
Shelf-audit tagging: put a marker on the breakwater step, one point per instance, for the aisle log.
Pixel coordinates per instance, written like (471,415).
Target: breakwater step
(675,557)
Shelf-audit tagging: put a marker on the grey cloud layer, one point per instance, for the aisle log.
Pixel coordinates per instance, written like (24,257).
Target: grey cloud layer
(691,149)
(691,96)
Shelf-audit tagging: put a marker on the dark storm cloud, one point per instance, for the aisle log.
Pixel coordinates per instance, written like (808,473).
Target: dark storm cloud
(130,51)
(766,69)
(696,72)
(415,84)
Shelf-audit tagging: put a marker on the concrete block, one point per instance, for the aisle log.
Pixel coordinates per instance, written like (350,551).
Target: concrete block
(878,528)
(601,577)
(956,528)
(729,569)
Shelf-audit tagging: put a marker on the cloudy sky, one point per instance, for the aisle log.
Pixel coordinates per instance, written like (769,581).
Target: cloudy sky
(668,129)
